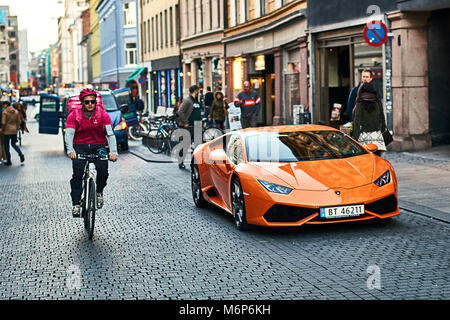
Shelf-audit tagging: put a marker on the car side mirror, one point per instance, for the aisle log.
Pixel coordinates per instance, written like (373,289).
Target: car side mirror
(123,108)
(371,147)
(218,156)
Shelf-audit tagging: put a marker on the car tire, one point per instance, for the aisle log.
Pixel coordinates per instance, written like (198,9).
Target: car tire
(124,146)
(238,205)
(196,187)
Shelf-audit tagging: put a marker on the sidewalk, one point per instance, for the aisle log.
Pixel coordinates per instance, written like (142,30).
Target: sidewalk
(424,181)
(423,178)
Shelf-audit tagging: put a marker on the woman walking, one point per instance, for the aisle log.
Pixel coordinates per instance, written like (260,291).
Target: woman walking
(369,122)
(10,126)
(218,110)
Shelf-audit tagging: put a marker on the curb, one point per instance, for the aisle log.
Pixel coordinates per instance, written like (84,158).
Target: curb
(424,211)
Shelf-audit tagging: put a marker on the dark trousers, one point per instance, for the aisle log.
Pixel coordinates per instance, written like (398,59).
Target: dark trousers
(13,139)
(78,171)
(248,122)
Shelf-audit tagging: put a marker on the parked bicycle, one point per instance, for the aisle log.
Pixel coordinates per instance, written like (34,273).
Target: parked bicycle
(139,130)
(89,198)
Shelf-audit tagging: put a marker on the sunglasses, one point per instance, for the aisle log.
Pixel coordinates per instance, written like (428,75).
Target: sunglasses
(89,101)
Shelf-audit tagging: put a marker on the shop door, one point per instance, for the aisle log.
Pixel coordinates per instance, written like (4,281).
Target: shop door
(334,82)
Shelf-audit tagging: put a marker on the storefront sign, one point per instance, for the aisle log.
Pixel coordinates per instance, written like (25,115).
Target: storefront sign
(375,33)
(260,63)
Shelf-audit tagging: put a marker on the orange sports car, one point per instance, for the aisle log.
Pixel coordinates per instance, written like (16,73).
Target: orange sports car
(293,175)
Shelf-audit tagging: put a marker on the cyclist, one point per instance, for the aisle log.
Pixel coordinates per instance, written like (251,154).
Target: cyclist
(88,129)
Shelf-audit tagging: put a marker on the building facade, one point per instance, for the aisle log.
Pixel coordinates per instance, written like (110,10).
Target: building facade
(94,41)
(4,48)
(13,42)
(265,43)
(159,27)
(202,25)
(407,69)
(118,41)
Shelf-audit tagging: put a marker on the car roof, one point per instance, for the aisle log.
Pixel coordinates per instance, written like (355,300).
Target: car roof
(285,128)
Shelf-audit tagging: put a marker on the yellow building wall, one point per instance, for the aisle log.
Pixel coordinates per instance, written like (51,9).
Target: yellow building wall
(95,39)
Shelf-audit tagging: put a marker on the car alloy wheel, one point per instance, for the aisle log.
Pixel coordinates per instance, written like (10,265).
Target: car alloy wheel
(196,187)
(238,205)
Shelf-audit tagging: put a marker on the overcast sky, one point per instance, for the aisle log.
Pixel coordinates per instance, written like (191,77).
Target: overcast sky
(39,17)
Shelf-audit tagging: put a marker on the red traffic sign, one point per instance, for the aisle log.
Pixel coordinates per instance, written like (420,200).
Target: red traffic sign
(142,80)
(375,33)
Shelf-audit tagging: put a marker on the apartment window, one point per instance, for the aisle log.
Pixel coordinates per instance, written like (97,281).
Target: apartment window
(129,13)
(210,14)
(162,31)
(166,28)
(157,34)
(218,13)
(144,34)
(171,25)
(148,33)
(153,34)
(263,8)
(177,27)
(201,15)
(130,53)
(195,16)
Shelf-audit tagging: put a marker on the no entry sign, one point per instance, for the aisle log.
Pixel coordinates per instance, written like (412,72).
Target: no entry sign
(375,33)
(142,80)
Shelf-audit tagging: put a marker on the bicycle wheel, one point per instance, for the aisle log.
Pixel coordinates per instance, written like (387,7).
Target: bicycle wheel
(89,217)
(156,142)
(211,133)
(134,132)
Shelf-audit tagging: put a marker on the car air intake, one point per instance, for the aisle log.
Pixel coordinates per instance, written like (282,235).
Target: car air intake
(383,206)
(281,213)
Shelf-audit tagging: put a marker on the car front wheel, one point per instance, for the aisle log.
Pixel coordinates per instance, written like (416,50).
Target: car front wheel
(238,205)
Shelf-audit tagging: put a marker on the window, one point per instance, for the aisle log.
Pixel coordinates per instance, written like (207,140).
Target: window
(148,33)
(166,28)
(263,8)
(162,31)
(130,53)
(129,13)
(153,35)
(234,149)
(177,28)
(144,42)
(156,29)
(171,26)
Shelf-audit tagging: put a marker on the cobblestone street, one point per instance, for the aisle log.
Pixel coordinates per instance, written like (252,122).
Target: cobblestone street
(151,242)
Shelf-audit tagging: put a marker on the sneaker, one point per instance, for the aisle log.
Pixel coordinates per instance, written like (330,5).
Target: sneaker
(99,200)
(22,158)
(8,163)
(76,211)
(181,166)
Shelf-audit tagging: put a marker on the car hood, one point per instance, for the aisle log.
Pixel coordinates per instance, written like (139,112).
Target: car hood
(321,175)
(115,117)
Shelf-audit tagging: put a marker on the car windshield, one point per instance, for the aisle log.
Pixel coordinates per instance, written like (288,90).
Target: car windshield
(109,102)
(301,146)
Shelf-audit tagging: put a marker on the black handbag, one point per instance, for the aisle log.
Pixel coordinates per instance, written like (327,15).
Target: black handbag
(387,137)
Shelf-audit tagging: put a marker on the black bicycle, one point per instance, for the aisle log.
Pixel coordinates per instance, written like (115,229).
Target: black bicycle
(89,196)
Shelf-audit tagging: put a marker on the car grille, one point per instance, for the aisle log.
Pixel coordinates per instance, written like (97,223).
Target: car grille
(383,206)
(281,213)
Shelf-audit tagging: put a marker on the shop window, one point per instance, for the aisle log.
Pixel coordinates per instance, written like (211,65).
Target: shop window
(371,58)
(216,65)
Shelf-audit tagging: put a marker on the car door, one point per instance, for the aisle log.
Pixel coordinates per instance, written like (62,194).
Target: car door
(48,114)
(222,171)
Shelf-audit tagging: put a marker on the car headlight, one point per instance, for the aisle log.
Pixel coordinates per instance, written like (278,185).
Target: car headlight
(272,187)
(121,126)
(384,179)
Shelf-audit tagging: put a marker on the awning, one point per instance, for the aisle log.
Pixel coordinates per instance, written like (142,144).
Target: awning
(136,73)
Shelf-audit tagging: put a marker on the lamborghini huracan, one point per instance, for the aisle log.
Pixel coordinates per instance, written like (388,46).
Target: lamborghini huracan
(293,175)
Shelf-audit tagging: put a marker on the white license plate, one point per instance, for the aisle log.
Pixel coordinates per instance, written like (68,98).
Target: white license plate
(342,211)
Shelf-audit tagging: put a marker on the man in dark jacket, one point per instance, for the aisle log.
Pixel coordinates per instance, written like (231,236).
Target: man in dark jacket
(249,102)
(366,77)
(189,112)
(209,98)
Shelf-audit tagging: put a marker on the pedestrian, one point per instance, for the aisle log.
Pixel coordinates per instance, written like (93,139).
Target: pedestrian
(218,110)
(138,103)
(366,76)
(209,98)
(23,115)
(10,126)
(2,141)
(369,122)
(249,102)
(188,113)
